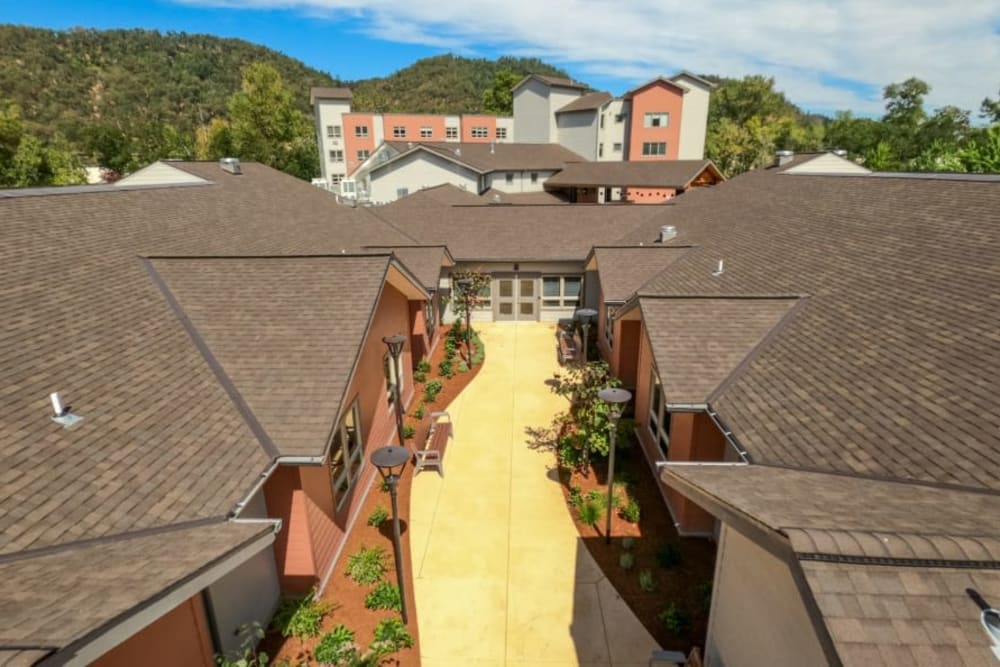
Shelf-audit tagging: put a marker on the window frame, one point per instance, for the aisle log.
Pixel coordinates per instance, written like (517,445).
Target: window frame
(616,147)
(363,154)
(398,131)
(361,131)
(658,416)
(648,148)
(336,155)
(656,120)
(451,132)
(480,132)
(501,132)
(564,300)
(508,178)
(426,132)
(343,481)
(609,325)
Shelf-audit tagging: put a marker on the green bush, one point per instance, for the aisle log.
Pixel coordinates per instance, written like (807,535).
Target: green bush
(424,366)
(628,543)
(409,432)
(420,412)
(590,512)
(674,619)
(378,516)
(367,566)
(419,376)
(431,390)
(335,645)
(246,655)
(383,486)
(447,368)
(384,596)
(480,350)
(391,634)
(627,560)
(646,581)
(301,617)
(463,367)
(630,512)
(450,348)
(668,556)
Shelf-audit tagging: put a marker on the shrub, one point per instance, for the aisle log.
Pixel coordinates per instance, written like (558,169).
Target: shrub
(628,543)
(646,581)
(384,596)
(463,367)
(383,486)
(419,376)
(409,432)
(447,368)
(246,656)
(301,617)
(480,352)
(588,420)
(424,366)
(450,349)
(630,512)
(627,560)
(674,619)
(625,478)
(575,496)
(392,634)
(367,566)
(335,645)
(590,512)
(419,412)
(378,516)
(431,390)
(668,556)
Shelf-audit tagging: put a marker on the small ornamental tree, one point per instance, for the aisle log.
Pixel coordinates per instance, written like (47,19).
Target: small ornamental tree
(585,426)
(465,300)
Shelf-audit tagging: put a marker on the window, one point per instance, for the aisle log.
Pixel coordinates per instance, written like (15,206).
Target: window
(659,417)
(561,291)
(402,192)
(336,155)
(616,148)
(485,296)
(335,179)
(426,133)
(361,130)
(619,117)
(509,177)
(346,455)
(654,148)
(398,131)
(430,317)
(602,121)
(534,177)
(480,133)
(451,133)
(501,133)
(363,154)
(656,119)
(609,326)
(600,150)
(333,131)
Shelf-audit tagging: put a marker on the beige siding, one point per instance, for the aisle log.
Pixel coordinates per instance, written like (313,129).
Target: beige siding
(827,163)
(160,173)
(331,112)
(613,132)
(758,616)
(578,132)
(521,181)
(416,171)
(694,119)
(532,113)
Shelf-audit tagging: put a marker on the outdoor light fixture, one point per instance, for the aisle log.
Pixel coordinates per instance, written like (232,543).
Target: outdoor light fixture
(395,345)
(585,315)
(465,284)
(616,398)
(388,459)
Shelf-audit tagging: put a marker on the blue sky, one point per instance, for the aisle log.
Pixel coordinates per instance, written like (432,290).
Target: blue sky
(824,54)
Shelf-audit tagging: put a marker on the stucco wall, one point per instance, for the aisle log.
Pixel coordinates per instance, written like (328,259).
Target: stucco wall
(656,98)
(521,182)
(648,195)
(532,113)
(331,112)
(247,594)
(179,637)
(695,108)
(613,131)
(758,616)
(578,132)
(353,143)
(416,171)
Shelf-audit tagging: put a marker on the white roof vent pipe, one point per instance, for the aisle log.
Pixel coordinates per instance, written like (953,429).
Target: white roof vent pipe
(60,413)
(840,152)
(667,232)
(231,165)
(783,157)
(718,269)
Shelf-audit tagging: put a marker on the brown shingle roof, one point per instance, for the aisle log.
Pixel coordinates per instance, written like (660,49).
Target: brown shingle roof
(677,174)
(424,262)
(623,270)
(552,81)
(494,196)
(494,157)
(887,368)
(589,102)
(698,343)
(325,93)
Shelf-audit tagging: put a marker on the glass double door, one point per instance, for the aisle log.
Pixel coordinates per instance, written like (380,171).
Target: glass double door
(517,297)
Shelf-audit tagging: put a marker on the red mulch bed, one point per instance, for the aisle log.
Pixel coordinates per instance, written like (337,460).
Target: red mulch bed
(348,596)
(683,584)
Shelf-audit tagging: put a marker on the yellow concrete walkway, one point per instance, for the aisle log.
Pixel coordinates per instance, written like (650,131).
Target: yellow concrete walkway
(500,574)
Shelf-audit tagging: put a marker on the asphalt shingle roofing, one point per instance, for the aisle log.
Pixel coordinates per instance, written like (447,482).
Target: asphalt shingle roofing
(677,174)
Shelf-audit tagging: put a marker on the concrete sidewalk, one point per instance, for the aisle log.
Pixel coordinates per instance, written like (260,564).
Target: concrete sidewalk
(501,576)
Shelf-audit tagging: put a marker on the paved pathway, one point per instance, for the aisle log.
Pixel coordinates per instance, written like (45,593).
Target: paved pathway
(500,574)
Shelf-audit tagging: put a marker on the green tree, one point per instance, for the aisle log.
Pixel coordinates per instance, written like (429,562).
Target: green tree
(982,155)
(990,110)
(499,97)
(904,117)
(25,160)
(855,135)
(266,126)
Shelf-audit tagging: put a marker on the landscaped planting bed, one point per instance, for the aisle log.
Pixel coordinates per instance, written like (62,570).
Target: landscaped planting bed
(367,552)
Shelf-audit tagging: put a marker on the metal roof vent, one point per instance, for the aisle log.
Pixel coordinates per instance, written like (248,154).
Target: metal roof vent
(458,151)
(231,165)
(840,152)
(718,270)
(60,413)
(783,157)
(667,232)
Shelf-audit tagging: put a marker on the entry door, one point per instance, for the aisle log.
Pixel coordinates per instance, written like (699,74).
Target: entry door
(517,298)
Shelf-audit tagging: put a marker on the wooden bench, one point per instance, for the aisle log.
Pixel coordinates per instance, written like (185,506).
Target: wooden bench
(567,347)
(432,455)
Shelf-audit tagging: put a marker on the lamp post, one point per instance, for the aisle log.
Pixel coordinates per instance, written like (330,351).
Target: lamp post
(387,460)
(616,398)
(585,315)
(395,345)
(465,284)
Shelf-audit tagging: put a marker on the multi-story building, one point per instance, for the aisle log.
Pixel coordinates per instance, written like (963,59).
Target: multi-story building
(664,119)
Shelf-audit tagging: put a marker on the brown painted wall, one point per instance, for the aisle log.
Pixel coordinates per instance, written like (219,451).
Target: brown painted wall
(180,637)
(627,336)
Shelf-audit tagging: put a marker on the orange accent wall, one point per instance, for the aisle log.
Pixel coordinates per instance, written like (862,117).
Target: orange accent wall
(656,97)
(412,124)
(179,637)
(353,143)
(470,121)
(648,195)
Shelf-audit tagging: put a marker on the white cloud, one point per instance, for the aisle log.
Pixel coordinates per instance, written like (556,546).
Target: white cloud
(824,54)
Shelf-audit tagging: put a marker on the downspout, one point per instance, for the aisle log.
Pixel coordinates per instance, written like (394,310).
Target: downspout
(728,435)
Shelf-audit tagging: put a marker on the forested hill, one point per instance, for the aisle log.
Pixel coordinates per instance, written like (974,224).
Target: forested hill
(66,80)
(442,84)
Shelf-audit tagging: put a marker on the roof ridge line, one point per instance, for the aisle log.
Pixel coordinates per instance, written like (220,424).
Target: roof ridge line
(946,486)
(108,539)
(283,256)
(898,561)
